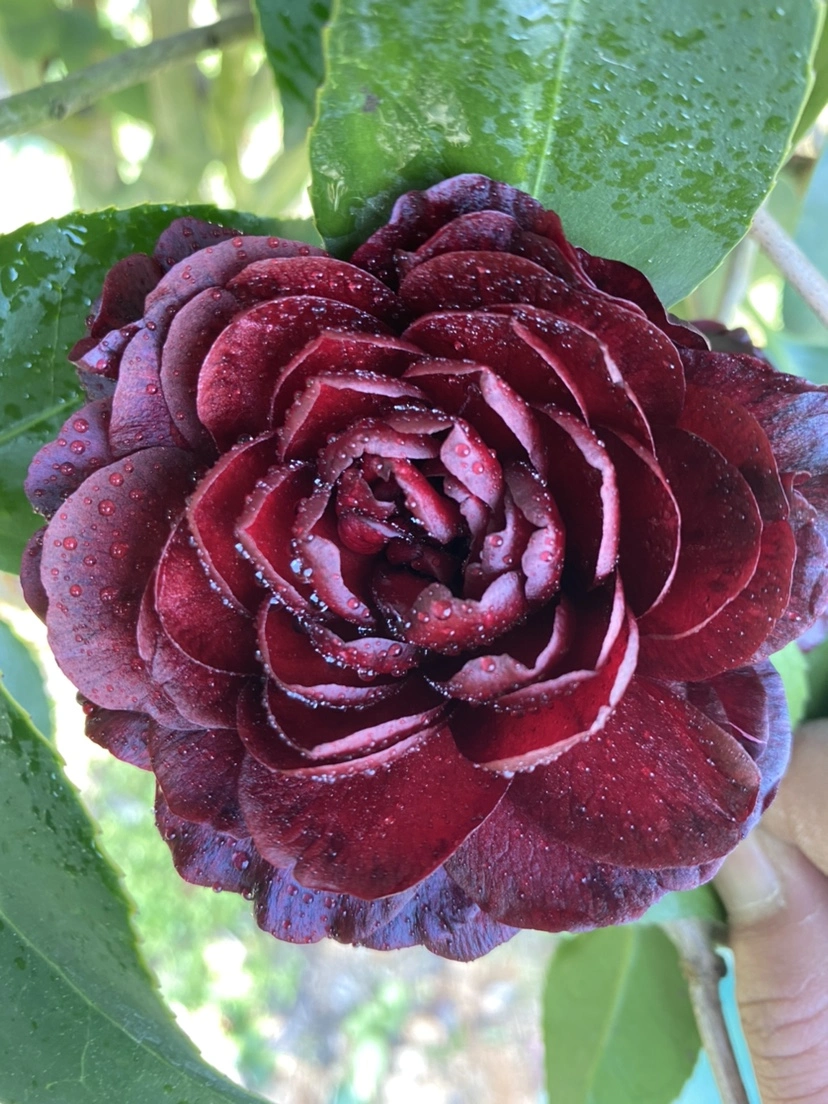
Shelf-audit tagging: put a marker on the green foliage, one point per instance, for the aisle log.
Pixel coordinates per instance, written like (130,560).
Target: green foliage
(23,679)
(793,669)
(819,92)
(703,903)
(801,323)
(651,129)
(617,1020)
(49,277)
(85,1017)
(292,32)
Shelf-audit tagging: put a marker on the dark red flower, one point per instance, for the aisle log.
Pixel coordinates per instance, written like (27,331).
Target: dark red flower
(436,588)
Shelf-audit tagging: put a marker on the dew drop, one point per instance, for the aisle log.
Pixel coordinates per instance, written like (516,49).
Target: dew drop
(70,543)
(116,479)
(106,507)
(75,590)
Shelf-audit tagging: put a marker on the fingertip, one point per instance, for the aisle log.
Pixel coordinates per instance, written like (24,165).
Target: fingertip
(748,882)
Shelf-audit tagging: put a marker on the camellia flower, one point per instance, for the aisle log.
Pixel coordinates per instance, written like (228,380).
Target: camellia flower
(436,588)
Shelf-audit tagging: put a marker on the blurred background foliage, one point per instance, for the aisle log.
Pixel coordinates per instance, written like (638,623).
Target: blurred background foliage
(209,131)
(335,1026)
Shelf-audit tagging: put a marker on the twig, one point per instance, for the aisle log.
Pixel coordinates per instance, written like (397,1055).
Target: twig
(703,969)
(803,276)
(56,100)
(737,279)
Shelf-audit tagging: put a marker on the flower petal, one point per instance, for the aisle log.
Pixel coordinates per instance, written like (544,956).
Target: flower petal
(356,828)
(81,449)
(198,774)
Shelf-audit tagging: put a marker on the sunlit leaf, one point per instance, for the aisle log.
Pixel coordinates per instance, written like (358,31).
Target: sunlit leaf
(617,1019)
(292,32)
(702,902)
(82,1021)
(49,276)
(819,92)
(23,679)
(652,129)
(800,321)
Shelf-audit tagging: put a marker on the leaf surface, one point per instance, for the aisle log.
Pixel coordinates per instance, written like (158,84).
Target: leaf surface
(82,1020)
(292,32)
(617,1019)
(652,129)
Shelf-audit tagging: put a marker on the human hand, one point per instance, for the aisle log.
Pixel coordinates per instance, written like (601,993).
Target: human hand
(775,889)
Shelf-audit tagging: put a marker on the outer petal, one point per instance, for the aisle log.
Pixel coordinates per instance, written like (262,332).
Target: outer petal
(661,785)
(100,550)
(520,874)
(123,734)
(198,773)
(372,827)
(81,449)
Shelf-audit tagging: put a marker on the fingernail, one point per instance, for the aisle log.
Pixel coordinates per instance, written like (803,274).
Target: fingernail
(748,883)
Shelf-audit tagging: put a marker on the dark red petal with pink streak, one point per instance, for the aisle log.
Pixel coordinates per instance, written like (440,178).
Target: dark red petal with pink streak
(624,282)
(720,535)
(264,526)
(206,857)
(213,512)
(520,874)
(418,215)
(498,413)
(187,694)
(441,917)
(737,435)
(30,581)
(494,339)
(736,634)
(331,402)
(242,368)
(198,773)
(373,827)
(298,668)
(540,722)
(80,449)
(121,733)
(521,656)
(369,655)
(185,236)
(645,358)
(98,555)
(650,523)
(320,276)
(339,352)
(542,560)
(586,367)
(582,482)
(334,735)
(660,785)
(194,615)
(125,288)
(407,434)
(191,335)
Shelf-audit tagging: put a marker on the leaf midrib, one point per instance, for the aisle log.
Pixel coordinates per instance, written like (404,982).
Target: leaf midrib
(557,83)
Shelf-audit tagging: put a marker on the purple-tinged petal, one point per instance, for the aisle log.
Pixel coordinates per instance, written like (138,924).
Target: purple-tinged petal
(123,734)
(204,856)
(80,449)
(30,580)
(521,874)
(140,415)
(355,827)
(99,553)
(126,286)
(185,236)
(198,773)
(98,363)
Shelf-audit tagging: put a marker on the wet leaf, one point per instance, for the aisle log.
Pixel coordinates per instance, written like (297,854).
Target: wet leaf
(292,32)
(23,679)
(702,902)
(652,129)
(800,321)
(617,1019)
(82,1020)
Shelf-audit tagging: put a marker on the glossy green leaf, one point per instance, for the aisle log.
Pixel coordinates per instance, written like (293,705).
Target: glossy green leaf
(702,902)
(23,679)
(654,130)
(49,276)
(617,1020)
(819,92)
(800,321)
(292,32)
(82,1022)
